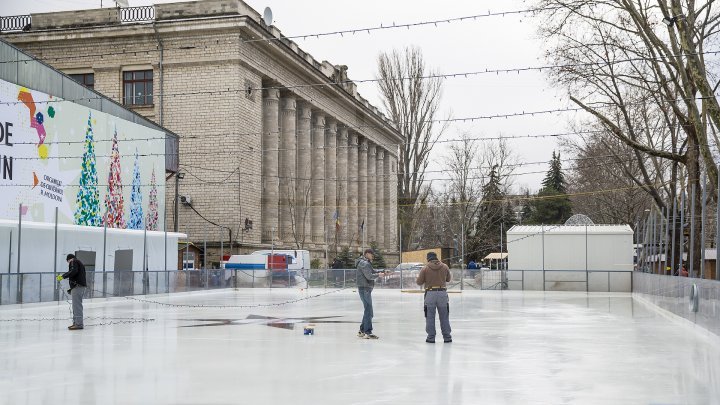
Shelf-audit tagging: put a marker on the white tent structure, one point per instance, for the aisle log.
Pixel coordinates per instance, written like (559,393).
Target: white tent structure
(570,257)
(99,248)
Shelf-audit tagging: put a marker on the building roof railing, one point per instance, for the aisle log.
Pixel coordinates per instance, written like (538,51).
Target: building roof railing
(15,23)
(126,15)
(137,14)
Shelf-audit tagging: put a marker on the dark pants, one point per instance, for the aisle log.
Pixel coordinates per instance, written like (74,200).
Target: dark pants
(366,298)
(437,300)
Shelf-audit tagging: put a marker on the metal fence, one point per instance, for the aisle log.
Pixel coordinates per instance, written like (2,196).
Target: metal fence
(23,288)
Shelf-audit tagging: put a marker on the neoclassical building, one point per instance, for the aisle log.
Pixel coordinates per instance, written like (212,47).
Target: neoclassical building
(276,148)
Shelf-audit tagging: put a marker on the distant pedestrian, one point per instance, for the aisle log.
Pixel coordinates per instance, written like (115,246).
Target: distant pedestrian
(366,277)
(337,273)
(683,271)
(473,268)
(78,285)
(434,277)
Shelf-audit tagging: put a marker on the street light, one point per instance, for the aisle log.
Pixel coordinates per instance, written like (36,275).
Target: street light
(669,21)
(178,176)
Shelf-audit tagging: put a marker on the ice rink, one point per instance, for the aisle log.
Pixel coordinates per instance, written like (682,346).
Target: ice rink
(509,348)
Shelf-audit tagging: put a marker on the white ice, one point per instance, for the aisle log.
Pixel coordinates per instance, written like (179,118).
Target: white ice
(509,348)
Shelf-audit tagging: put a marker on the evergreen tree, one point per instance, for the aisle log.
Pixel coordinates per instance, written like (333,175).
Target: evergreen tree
(526,215)
(378,261)
(555,178)
(552,205)
(347,261)
(496,216)
(87,201)
(114,210)
(136,210)
(152,216)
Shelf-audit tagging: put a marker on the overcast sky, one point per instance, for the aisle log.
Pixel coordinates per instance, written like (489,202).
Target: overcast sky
(472,45)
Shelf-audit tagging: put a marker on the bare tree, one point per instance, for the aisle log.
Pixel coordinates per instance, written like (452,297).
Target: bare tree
(471,172)
(627,68)
(412,101)
(300,207)
(604,163)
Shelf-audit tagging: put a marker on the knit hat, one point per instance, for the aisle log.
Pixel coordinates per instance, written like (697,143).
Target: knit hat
(431,256)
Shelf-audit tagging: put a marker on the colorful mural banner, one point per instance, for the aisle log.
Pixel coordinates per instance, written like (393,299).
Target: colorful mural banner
(95,168)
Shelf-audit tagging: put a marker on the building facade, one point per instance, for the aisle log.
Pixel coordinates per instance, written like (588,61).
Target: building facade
(276,148)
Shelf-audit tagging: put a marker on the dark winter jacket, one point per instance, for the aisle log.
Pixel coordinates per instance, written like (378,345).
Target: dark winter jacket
(365,275)
(76,274)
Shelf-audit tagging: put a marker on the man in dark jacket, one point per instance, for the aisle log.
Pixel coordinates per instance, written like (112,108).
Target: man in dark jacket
(337,273)
(434,277)
(76,277)
(366,277)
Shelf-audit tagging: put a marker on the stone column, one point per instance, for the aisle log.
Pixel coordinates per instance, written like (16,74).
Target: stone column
(380,198)
(353,233)
(331,180)
(303,169)
(342,183)
(362,190)
(318,178)
(288,117)
(270,179)
(371,195)
(391,228)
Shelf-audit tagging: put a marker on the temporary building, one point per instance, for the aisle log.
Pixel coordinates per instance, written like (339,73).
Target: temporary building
(100,249)
(570,257)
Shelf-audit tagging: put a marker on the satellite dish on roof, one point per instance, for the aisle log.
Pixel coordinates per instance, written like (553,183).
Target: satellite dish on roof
(267,16)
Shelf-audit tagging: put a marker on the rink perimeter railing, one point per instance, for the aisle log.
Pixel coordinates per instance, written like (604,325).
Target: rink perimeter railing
(20,288)
(23,288)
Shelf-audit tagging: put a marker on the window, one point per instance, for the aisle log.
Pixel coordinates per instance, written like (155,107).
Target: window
(138,87)
(86,79)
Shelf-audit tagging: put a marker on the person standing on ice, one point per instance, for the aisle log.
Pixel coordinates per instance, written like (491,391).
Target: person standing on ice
(434,277)
(76,277)
(366,277)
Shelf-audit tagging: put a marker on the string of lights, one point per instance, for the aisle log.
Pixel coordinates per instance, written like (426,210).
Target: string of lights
(382,27)
(243,90)
(256,150)
(384,145)
(378,179)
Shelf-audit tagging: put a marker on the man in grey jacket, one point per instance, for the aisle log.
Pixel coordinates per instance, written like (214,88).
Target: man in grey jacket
(366,277)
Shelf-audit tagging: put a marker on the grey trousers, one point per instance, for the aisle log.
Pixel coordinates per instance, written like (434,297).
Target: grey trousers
(437,300)
(77,296)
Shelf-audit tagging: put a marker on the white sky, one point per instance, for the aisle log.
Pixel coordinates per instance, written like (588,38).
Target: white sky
(486,43)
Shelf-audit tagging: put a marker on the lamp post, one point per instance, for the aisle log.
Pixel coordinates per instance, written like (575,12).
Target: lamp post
(178,176)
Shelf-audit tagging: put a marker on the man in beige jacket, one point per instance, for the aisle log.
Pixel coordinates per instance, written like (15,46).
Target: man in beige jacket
(434,277)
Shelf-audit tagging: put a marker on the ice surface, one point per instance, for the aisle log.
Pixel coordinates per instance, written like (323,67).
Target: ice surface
(509,348)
